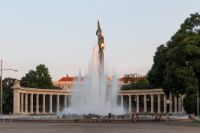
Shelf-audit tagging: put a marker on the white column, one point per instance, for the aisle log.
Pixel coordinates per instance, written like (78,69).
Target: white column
(26,103)
(152,103)
(130,104)
(145,103)
(180,104)
(43,104)
(183,110)
(16,101)
(65,101)
(175,104)
(170,103)
(165,107)
(122,101)
(158,103)
(58,104)
(37,103)
(31,103)
(22,102)
(50,103)
(137,104)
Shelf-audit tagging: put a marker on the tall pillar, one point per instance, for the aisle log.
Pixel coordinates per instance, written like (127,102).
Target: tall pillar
(145,103)
(137,104)
(58,104)
(165,107)
(158,103)
(122,101)
(180,104)
(170,102)
(22,102)
(37,103)
(152,103)
(175,104)
(26,103)
(16,101)
(130,104)
(65,101)
(31,103)
(50,103)
(43,104)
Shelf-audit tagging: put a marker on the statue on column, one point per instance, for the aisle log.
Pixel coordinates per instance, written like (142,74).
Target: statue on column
(100,43)
(100,37)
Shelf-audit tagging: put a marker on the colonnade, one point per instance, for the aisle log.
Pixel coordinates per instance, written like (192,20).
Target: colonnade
(34,101)
(27,106)
(170,104)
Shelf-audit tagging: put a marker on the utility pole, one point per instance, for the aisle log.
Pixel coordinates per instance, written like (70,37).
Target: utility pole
(198,104)
(1,87)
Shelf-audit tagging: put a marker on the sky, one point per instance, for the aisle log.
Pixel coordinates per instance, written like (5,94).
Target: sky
(62,33)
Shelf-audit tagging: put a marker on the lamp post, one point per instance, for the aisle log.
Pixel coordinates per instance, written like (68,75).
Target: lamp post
(167,102)
(198,104)
(1,81)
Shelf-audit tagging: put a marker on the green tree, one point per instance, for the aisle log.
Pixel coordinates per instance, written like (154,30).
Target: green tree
(158,68)
(8,95)
(39,78)
(190,107)
(176,65)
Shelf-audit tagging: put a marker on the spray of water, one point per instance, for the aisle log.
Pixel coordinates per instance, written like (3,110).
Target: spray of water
(94,94)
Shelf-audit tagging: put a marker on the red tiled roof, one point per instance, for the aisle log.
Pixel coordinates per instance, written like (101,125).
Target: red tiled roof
(67,79)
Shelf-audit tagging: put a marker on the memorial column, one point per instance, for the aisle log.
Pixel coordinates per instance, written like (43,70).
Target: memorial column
(50,103)
(130,104)
(137,104)
(152,103)
(37,103)
(145,103)
(43,104)
(158,103)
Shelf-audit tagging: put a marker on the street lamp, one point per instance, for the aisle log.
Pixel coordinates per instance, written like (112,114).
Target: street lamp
(1,87)
(198,104)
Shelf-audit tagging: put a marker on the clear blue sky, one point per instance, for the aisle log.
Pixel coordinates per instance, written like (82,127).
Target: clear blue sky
(61,33)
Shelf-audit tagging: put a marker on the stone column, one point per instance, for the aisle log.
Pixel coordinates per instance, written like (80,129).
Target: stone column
(16,101)
(165,107)
(22,102)
(170,102)
(26,103)
(145,103)
(43,104)
(65,101)
(158,103)
(130,104)
(31,103)
(183,110)
(58,104)
(122,101)
(137,104)
(50,103)
(180,104)
(175,104)
(37,103)
(152,103)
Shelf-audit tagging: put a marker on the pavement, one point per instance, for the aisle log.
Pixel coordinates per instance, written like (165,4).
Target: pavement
(139,127)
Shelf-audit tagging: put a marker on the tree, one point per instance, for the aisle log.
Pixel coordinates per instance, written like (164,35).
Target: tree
(190,107)
(8,95)
(131,83)
(40,78)
(176,65)
(158,67)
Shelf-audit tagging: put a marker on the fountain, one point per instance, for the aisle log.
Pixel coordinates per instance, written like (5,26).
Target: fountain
(95,94)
